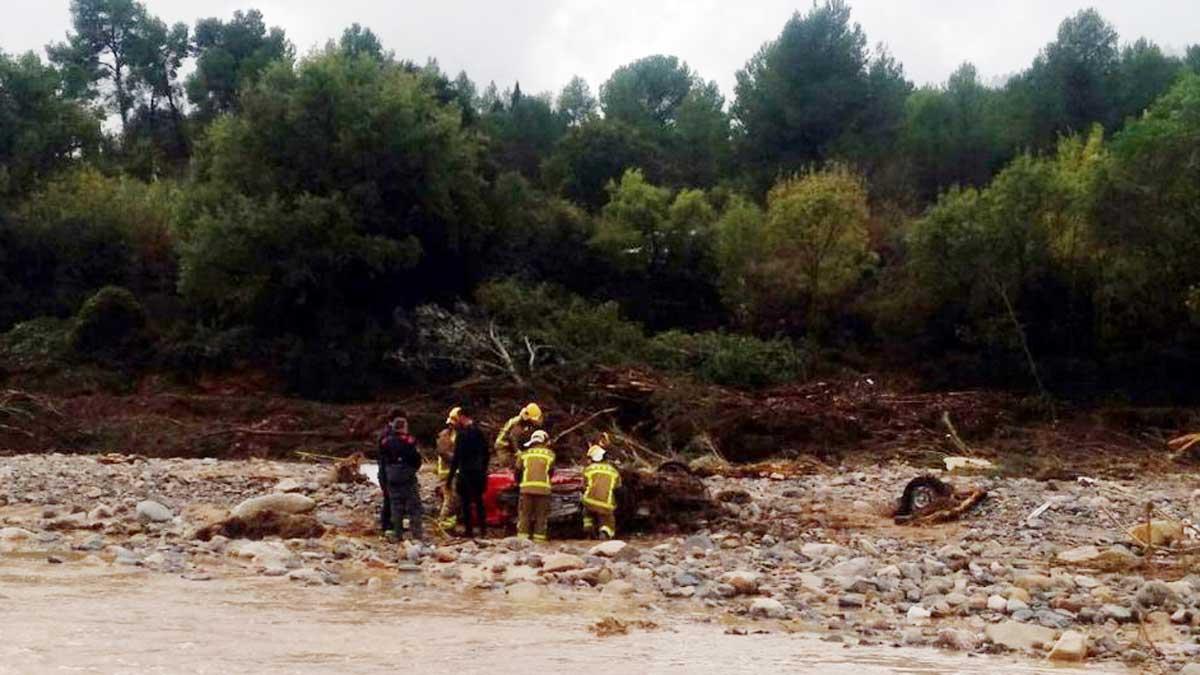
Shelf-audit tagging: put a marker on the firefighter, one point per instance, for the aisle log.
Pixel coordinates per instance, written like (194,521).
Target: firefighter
(517,432)
(445,454)
(535,468)
(600,482)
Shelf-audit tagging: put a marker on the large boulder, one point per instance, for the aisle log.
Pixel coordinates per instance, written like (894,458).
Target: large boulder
(525,592)
(152,512)
(1113,559)
(768,608)
(278,503)
(264,553)
(1020,636)
(608,549)
(562,562)
(1071,647)
(743,582)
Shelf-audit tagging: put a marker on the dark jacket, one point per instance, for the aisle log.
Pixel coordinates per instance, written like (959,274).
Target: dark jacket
(398,449)
(471,454)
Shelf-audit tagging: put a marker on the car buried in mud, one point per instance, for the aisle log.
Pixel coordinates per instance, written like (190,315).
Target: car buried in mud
(668,497)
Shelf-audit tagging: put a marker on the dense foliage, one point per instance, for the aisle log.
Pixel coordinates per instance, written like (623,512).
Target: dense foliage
(351,220)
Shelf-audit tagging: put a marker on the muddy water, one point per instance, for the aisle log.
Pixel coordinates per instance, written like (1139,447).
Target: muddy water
(78,618)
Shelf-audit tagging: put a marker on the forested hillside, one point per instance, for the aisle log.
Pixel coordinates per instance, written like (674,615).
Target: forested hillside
(350,221)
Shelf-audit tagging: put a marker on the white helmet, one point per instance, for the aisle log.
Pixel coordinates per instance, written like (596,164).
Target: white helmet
(596,453)
(539,437)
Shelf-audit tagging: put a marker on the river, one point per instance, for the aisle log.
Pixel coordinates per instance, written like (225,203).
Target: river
(78,618)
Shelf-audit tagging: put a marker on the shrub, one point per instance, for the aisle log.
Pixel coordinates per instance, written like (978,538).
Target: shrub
(728,359)
(111,326)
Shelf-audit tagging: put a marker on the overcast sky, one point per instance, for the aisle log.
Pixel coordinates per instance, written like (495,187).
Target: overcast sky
(542,43)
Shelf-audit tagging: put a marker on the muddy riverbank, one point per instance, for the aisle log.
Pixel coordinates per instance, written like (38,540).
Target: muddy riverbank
(809,561)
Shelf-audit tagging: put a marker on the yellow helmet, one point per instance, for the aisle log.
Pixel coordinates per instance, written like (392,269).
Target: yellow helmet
(452,418)
(532,413)
(596,453)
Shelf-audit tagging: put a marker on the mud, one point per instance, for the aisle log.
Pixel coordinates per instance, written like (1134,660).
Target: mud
(94,619)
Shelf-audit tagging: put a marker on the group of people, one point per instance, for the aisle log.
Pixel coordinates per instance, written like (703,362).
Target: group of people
(464,459)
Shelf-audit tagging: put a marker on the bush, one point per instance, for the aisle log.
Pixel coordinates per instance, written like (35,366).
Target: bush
(36,343)
(729,360)
(111,326)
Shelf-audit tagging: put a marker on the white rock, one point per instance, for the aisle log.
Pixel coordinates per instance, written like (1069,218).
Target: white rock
(15,534)
(815,550)
(264,553)
(917,614)
(855,567)
(618,587)
(769,608)
(561,562)
(997,603)
(279,503)
(1020,636)
(1072,646)
(524,592)
(608,549)
(1016,605)
(153,512)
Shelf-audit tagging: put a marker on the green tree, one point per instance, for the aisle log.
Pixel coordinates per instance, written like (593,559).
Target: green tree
(358,41)
(949,134)
(1147,213)
(804,94)
(592,155)
(738,248)
(1191,58)
(659,247)
(41,129)
(576,103)
(103,48)
(523,132)
(385,167)
(1070,86)
(699,142)
(816,245)
(648,92)
(1145,73)
(155,136)
(229,56)
(80,232)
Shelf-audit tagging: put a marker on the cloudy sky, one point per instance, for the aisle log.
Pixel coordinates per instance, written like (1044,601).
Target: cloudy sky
(542,43)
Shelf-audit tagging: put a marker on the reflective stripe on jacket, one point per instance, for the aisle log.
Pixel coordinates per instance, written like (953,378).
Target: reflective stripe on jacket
(601,480)
(536,466)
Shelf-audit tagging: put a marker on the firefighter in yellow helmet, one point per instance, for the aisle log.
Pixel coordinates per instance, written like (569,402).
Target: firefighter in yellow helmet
(535,467)
(516,433)
(445,454)
(600,482)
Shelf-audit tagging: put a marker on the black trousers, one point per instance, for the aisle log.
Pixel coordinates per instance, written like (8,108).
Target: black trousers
(385,509)
(405,495)
(470,494)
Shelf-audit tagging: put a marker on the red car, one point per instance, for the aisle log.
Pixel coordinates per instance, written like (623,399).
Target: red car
(501,496)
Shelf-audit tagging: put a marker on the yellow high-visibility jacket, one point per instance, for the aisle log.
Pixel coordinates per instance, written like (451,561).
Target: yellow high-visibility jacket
(601,481)
(513,436)
(445,452)
(537,466)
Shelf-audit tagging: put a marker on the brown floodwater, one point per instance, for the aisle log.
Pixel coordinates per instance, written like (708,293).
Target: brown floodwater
(82,618)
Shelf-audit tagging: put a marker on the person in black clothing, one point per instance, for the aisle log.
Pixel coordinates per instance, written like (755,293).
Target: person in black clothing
(399,450)
(385,509)
(470,466)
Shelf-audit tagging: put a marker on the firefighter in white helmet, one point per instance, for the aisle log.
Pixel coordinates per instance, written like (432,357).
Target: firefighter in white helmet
(535,467)
(600,482)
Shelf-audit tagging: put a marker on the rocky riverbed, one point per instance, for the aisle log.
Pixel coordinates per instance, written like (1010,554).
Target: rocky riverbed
(814,554)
